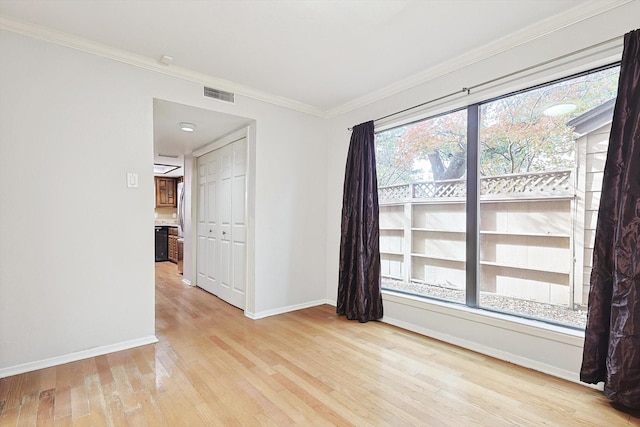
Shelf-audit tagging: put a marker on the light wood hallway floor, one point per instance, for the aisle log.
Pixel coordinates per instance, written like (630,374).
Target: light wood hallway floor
(213,366)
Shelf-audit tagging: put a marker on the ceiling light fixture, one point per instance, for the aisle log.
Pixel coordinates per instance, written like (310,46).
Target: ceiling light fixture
(559,110)
(187,127)
(160,169)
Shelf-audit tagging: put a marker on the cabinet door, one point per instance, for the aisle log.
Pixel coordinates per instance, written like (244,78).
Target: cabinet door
(173,248)
(166,192)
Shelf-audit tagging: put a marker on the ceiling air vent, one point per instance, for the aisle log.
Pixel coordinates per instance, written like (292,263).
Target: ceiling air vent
(219,94)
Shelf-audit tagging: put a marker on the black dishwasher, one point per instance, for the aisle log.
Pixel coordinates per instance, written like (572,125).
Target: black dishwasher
(162,244)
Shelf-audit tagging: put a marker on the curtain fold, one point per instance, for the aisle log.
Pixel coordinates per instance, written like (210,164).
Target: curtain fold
(359,296)
(612,336)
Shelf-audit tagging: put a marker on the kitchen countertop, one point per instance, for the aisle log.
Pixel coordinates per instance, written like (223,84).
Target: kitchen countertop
(165,224)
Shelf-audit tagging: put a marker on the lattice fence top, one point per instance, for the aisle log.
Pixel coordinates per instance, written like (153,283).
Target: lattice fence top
(535,184)
(539,184)
(434,189)
(395,192)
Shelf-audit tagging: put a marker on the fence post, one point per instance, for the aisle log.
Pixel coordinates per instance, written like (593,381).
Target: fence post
(407,244)
(579,223)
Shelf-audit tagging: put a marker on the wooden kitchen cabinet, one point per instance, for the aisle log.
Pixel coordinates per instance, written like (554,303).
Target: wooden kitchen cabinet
(166,190)
(173,244)
(180,256)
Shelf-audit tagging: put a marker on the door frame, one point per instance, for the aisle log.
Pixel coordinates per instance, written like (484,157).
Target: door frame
(248,132)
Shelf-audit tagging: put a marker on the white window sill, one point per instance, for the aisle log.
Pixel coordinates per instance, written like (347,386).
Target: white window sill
(530,327)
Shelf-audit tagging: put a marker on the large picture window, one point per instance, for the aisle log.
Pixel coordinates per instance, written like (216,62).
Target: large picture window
(541,156)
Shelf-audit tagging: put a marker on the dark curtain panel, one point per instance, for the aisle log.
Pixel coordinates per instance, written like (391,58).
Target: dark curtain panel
(612,337)
(359,296)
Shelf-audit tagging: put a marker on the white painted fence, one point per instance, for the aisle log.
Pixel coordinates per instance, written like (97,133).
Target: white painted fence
(527,235)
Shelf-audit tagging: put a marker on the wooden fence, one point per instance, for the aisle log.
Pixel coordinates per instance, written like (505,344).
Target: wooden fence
(527,228)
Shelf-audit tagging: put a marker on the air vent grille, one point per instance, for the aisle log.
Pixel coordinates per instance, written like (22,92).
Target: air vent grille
(219,94)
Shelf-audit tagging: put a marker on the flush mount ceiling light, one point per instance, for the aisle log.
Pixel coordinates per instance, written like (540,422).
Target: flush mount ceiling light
(187,127)
(160,169)
(559,110)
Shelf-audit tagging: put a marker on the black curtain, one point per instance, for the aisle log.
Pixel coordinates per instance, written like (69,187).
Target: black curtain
(359,296)
(612,337)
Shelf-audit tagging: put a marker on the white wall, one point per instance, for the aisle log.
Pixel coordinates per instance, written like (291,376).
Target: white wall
(80,282)
(547,349)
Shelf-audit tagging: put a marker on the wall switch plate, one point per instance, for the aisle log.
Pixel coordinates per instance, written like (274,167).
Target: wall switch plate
(132,180)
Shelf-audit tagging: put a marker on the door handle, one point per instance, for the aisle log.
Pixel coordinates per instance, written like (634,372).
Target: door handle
(224,233)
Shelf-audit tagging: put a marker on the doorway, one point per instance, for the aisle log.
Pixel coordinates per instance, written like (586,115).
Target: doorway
(212,130)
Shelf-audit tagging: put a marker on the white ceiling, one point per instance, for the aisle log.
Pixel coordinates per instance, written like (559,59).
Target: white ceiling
(323,53)
(169,140)
(320,54)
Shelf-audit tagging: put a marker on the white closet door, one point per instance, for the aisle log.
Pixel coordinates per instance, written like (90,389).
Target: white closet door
(222,233)
(238,224)
(225,199)
(207,265)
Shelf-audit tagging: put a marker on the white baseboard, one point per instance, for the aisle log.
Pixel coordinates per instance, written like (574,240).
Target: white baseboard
(79,355)
(187,282)
(276,311)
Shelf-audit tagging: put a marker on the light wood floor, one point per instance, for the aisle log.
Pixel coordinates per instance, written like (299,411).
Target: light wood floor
(213,366)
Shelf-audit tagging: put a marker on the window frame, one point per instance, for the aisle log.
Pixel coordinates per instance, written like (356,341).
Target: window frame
(472,207)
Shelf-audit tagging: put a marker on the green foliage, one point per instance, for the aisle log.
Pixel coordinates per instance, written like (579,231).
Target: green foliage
(391,167)
(516,135)
(440,140)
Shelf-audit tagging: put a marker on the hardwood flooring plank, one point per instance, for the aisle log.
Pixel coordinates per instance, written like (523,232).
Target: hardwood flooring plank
(63,422)
(46,403)
(28,414)
(48,379)
(9,417)
(15,391)
(212,418)
(114,410)
(79,402)
(219,392)
(330,399)
(272,412)
(97,401)
(62,408)
(4,388)
(104,370)
(324,414)
(150,411)
(176,409)
(124,390)
(135,418)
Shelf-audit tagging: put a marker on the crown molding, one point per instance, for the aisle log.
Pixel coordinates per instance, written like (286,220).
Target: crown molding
(527,34)
(88,46)
(523,36)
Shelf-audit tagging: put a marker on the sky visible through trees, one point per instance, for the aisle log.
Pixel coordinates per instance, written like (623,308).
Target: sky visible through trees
(525,132)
